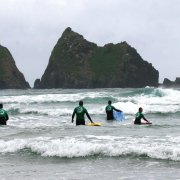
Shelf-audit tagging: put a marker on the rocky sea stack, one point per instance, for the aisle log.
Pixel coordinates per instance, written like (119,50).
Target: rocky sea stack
(77,63)
(168,83)
(10,76)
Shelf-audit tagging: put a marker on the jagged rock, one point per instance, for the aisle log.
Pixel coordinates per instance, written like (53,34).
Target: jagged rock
(37,83)
(177,81)
(77,63)
(169,83)
(10,76)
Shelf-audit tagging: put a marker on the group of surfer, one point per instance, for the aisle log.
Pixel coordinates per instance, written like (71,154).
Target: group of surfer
(80,111)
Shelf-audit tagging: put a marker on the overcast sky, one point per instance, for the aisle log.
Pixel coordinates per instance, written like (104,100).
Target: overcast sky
(31,28)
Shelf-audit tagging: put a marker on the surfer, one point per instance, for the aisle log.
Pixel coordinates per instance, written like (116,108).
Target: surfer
(3,115)
(80,111)
(139,115)
(109,111)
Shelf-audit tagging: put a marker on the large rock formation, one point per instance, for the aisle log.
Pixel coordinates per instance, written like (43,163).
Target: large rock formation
(10,76)
(169,83)
(77,63)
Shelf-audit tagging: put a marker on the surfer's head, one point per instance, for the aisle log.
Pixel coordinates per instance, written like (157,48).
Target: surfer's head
(109,102)
(81,103)
(1,106)
(140,109)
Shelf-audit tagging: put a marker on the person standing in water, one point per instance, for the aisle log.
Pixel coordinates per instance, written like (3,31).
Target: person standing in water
(139,115)
(3,115)
(80,111)
(109,111)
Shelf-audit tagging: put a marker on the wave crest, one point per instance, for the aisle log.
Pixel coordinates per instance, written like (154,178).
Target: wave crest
(112,147)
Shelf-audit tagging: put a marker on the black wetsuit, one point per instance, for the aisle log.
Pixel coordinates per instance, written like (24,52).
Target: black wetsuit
(109,112)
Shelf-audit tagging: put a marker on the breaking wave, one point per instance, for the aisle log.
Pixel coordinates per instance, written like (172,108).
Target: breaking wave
(72,147)
(153,100)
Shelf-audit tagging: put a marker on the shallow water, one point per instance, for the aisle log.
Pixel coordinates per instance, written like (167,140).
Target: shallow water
(40,142)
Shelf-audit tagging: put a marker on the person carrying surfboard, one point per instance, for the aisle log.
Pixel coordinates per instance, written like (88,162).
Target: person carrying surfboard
(3,115)
(139,115)
(80,111)
(109,111)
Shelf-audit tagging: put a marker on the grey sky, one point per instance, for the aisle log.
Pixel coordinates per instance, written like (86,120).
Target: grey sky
(31,28)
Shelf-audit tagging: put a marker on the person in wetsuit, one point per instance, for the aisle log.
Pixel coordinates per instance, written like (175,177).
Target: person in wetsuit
(80,111)
(3,115)
(139,115)
(109,111)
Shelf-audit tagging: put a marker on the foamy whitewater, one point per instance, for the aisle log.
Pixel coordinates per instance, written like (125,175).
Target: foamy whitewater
(40,142)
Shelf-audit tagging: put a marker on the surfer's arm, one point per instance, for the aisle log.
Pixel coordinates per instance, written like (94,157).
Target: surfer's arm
(89,117)
(73,116)
(118,110)
(145,119)
(7,117)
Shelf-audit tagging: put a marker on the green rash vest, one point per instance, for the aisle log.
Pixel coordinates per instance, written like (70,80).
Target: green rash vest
(80,111)
(139,115)
(3,114)
(109,108)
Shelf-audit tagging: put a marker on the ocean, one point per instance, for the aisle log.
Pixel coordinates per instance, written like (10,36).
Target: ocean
(40,142)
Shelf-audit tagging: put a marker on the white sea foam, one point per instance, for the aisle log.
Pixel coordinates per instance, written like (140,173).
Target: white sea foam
(106,146)
(55,112)
(51,97)
(169,102)
(157,100)
(38,122)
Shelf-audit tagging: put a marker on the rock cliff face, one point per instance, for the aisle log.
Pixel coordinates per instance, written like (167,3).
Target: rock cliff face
(169,83)
(77,63)
(10,76)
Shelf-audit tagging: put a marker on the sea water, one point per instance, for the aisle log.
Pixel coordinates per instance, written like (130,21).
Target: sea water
(40,142)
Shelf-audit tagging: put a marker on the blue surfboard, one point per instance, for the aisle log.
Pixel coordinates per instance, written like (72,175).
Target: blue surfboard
(118,116)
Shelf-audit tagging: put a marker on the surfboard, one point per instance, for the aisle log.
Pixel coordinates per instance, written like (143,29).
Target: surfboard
(118,116)
(146,123)
(143,122)
(94,124)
